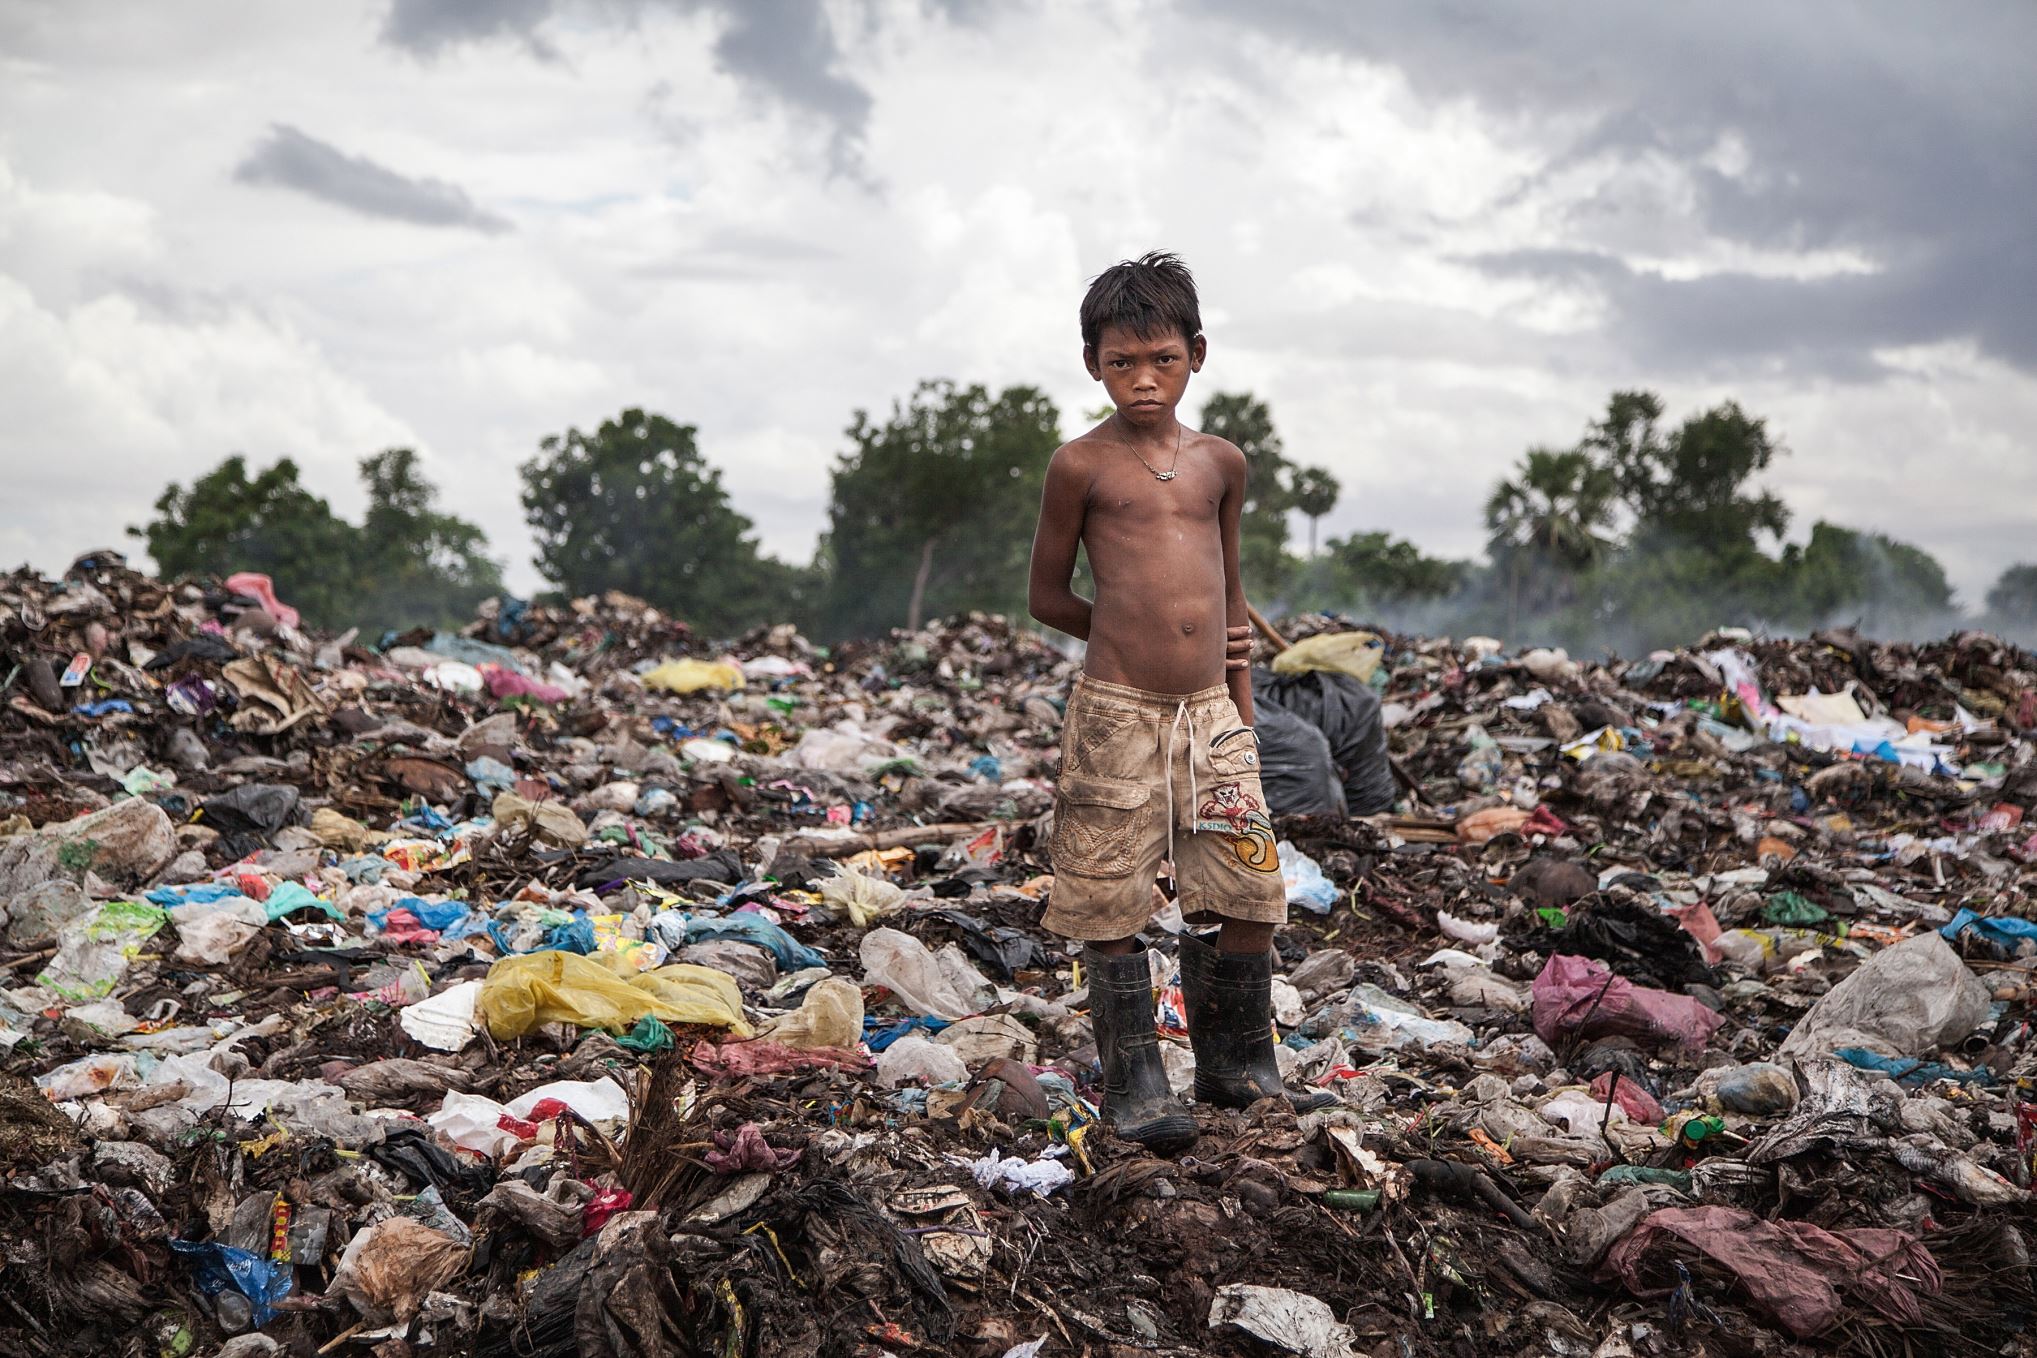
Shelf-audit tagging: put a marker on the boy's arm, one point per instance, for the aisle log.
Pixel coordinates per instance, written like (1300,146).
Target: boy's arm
(1048,596)
(1238,680)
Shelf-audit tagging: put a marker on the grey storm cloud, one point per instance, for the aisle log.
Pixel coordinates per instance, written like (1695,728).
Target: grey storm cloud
(786,48)
(1902,133)
(291,159)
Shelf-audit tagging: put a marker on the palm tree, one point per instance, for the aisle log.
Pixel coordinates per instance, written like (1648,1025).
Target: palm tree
(1315,494)
(1546,522)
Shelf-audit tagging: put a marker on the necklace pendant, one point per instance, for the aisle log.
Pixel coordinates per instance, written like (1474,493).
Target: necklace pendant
(1167,475)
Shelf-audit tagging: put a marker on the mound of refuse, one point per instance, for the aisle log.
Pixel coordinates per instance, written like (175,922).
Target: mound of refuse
(568,984)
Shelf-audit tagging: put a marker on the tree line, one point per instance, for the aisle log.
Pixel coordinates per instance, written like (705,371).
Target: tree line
(1639,535)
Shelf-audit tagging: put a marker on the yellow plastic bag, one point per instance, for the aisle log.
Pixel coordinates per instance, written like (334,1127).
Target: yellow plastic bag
(1354,653)
(831,1015)
(691,676)
(525,992)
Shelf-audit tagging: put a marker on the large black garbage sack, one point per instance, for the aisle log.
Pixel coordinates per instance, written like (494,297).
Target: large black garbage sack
(1347,713)
(1295,768)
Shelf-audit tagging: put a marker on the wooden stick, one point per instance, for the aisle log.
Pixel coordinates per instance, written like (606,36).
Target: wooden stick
(908,837)
(1267,630)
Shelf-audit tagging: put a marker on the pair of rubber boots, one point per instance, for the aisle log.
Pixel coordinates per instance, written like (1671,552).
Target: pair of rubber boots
(1229,998)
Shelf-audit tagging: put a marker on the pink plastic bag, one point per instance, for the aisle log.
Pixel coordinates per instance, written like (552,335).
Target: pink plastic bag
(258,586)
(1576,997)
(1804,1276)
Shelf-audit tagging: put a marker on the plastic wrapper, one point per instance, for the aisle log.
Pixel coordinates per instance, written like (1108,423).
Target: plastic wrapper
(525,992)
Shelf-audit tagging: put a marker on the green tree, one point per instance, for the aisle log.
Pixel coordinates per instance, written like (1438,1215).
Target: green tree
(1876,581)
(407,564)
(2012,599)
(932,511)
(417,565)
(1547,525)
(1315,494)
(1247,421)
(1689,486)
(227,521)
(634,506)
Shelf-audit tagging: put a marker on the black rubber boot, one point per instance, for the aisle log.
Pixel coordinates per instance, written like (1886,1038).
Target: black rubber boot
(1136,1100)
(1230,1025)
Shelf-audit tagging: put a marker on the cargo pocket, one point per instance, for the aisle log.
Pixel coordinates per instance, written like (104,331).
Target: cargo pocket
(1234,753)
(1099,826)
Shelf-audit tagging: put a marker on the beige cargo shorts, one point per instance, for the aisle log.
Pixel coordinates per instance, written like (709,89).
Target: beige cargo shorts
(1146,777)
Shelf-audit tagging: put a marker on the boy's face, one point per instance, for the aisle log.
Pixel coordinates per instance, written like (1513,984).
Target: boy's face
(1145,375)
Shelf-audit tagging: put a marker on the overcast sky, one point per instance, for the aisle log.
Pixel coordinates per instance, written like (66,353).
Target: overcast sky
(1429,233)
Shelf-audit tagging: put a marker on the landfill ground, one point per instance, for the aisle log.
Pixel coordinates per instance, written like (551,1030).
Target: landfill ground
(574,985)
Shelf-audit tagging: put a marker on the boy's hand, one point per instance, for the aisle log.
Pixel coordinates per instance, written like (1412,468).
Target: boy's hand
(1238,647)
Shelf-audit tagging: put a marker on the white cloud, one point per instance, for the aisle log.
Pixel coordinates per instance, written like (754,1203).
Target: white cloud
(687,239)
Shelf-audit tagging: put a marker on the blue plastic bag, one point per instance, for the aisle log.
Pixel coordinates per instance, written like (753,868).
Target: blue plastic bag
(216,1267)
(748,927)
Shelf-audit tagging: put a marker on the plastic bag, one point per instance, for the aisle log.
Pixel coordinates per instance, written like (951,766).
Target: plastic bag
(1297,771)
(1293,1322)
(445,1021)
(862,896)
(1352,720)
(917,1058)
(600,1102)
(1355,654)
(1483,764)
(95,951)
(525,992)
(1306,885)
(1577,997)
(747,926)
(1378,1021)
(901,964)
(1907,1000)
(208,935)
(691,676)
(215,1267)
(831,1015)
(473,1122)
(389,1268)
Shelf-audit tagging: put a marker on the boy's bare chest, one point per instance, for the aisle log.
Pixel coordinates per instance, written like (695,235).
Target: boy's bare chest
(1122,497)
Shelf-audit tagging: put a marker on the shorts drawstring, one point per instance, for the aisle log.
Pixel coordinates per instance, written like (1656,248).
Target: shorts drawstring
(1181,714)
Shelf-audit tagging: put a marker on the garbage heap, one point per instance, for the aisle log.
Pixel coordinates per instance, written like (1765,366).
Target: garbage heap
(569,986)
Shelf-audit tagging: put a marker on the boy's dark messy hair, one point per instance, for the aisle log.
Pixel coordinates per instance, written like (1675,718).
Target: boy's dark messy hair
(1148,296)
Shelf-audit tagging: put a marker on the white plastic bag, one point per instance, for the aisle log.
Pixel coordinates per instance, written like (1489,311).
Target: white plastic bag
(915,1058)
(1306,885)
(901,964)
(445,1021)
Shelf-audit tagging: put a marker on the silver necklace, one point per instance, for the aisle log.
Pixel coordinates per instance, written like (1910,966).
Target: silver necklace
(1159,475)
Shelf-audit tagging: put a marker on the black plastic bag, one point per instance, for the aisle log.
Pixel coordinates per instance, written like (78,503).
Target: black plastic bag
(1295,768)
(248,817)
(1347,713)
(720,866)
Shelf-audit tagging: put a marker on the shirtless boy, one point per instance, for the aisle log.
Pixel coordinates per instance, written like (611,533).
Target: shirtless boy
(1158,758)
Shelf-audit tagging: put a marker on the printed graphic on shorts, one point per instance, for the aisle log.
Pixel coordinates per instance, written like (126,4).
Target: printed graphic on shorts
(1230,810)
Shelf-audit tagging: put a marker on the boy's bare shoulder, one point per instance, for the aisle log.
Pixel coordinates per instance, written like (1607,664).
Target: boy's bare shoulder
(1078,455)
(1224,453)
